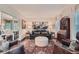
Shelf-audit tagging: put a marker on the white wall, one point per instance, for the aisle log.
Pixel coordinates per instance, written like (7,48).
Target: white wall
(51,22)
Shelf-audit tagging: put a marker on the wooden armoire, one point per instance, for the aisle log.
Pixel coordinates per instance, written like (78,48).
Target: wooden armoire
(64,34)
(65,25)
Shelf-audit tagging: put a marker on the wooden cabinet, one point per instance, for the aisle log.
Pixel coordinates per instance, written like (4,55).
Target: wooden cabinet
(65,25)
(64,34)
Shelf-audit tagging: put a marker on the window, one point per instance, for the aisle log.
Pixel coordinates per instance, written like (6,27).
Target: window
(16,25)
(8,24)
(76,21)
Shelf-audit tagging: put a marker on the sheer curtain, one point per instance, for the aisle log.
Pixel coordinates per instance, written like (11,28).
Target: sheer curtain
(76,22)
(57,24)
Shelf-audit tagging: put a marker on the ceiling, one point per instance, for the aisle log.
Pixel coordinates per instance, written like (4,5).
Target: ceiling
(36,10)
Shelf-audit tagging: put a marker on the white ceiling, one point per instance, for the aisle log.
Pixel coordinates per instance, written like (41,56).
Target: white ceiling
(37,10)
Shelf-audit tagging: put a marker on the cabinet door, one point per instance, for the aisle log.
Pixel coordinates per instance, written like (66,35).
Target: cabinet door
(65,25)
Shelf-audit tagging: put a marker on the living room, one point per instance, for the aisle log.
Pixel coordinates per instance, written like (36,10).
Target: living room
(39,29)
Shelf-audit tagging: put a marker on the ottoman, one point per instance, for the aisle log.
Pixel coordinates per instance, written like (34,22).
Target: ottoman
(41,41)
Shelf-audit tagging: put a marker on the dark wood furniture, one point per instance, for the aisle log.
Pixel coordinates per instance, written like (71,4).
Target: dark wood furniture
(64,34)
(65,25)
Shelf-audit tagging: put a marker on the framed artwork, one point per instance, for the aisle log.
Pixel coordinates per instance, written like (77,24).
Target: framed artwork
(23,24)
